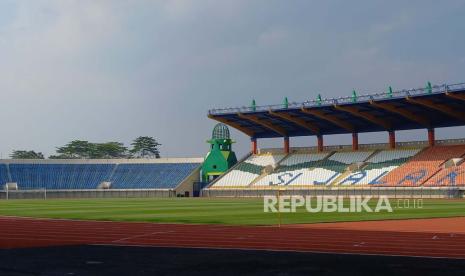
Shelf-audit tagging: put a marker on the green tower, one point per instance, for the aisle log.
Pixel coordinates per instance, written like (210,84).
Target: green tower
(221,157)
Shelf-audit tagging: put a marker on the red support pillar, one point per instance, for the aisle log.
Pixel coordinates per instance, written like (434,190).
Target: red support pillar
(320,143)
(354,141)
(254,145)
(286,145)
(431,137)
(392,139)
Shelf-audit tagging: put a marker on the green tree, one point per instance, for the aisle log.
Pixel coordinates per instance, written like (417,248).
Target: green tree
(146,147)
(109,150)
(24,154)
(79,149)
(76,149)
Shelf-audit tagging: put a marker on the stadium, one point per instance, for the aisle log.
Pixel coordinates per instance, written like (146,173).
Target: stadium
(415,169)
(232,137)
(425,179)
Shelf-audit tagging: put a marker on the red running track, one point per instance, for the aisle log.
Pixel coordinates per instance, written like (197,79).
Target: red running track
(28,232)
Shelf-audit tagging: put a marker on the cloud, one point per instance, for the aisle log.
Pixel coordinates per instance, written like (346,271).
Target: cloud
(273,37)
(113,70)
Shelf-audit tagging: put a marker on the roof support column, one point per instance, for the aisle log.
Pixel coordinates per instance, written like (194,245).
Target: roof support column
(320,143)
(254,145)
(354,141)
(392,139)
(431,137)
(286,145)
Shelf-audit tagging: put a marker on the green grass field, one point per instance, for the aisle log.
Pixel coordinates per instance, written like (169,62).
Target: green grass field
(216,211)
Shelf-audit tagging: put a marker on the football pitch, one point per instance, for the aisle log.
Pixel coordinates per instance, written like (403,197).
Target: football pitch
(214,211)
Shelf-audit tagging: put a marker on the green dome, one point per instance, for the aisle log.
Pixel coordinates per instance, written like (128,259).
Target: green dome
(220,131)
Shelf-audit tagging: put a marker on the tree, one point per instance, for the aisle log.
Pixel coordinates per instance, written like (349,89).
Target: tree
(24,154)
(146,147)
(109,150)
(76,149)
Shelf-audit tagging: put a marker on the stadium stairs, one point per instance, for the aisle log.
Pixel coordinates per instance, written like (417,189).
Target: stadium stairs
(269,169)
(378,165)
(452,174)
(245,172)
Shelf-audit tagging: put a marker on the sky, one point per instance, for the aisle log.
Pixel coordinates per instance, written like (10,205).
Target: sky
(114,70)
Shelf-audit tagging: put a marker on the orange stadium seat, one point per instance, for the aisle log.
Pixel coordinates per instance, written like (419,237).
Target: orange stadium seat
(423,166)
(454,176)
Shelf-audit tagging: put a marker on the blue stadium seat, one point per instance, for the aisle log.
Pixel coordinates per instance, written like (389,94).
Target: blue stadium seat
(3,175)
(89,176)
(60,176)
(159,175)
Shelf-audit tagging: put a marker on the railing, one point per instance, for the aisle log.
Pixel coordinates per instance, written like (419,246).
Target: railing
(372,146)
(435,89)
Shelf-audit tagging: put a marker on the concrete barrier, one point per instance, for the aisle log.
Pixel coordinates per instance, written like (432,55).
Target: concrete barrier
(55,194)
(394,192)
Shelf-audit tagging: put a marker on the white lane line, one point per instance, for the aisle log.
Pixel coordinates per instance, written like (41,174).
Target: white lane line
(142,236)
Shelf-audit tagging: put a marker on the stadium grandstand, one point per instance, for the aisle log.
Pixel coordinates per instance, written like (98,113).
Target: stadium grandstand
(114,177)
(434,168)
(429,168)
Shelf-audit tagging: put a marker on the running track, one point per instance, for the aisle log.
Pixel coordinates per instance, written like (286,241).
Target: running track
(335,238)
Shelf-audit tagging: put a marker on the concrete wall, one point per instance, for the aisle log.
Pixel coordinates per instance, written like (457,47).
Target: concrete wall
(395,192)
(55,194)
(188,183)
(141,193)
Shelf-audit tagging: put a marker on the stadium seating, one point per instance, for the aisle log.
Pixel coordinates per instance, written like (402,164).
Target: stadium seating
(90,175)
(246,172)
(3,175)
(332,167)
(399,167)
(292,168)
(377,166)
(155,175)
(436,166)
(423,166)
(60,176)
(451,176)
(312,169)
(454,176)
